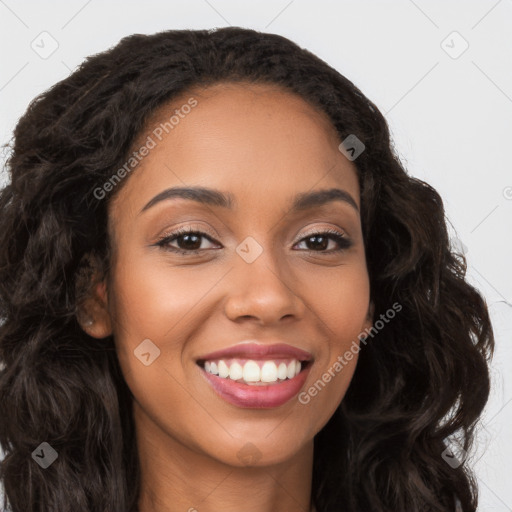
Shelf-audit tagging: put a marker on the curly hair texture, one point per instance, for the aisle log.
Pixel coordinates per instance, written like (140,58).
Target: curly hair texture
(419,382)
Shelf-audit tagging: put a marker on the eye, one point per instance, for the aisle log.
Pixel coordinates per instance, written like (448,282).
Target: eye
(189,241)
(321,239)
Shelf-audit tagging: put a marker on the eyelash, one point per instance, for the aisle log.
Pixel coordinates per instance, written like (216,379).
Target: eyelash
(344,242)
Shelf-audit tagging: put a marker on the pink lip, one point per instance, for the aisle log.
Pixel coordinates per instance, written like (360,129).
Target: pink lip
(251,350)
(257,397)
(261,396)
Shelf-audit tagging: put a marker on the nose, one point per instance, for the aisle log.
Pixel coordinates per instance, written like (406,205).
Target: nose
(264,291)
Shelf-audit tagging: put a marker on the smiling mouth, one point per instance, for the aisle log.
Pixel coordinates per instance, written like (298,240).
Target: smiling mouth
(256,383)
(255,372)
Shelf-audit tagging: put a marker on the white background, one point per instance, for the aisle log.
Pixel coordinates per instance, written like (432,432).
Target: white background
(451,118)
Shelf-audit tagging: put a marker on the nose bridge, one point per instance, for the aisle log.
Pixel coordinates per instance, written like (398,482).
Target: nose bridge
(263,286)
(257,253)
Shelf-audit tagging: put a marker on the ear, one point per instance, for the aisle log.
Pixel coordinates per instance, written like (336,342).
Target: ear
(93,312)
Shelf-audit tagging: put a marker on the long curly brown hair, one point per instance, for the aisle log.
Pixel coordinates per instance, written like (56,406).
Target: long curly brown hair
(419,382)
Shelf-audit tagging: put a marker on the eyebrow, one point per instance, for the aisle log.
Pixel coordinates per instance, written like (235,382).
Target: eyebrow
(213,197)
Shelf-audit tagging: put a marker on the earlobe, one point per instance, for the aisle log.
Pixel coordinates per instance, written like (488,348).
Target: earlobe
(91,288)
(98,330)
(94,315)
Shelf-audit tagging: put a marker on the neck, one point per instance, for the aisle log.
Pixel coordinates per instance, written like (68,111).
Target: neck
(175,478)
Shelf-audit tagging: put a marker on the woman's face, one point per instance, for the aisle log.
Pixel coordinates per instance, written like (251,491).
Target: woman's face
(262,272)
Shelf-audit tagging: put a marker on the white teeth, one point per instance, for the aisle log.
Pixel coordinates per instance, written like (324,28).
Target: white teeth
(269,372)
(282,371)
(290,371)
(251,371)
(223,369)
(235,371)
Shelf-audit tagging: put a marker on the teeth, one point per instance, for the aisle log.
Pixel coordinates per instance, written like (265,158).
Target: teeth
(269,372)
(235,371)
(290,373)
(223,369)
(252,372)
(282,371)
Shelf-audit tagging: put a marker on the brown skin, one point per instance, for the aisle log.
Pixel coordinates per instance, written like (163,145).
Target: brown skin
(264,146)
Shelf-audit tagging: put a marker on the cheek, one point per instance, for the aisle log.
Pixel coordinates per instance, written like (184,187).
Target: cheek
(341,305)
(155,301)
(340,298)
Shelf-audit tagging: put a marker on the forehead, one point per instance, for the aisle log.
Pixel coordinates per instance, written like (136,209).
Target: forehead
(257,141)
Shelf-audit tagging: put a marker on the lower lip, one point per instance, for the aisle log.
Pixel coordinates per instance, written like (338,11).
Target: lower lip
(257,397)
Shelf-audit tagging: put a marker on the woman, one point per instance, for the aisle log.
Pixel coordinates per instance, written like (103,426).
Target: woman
(221,290)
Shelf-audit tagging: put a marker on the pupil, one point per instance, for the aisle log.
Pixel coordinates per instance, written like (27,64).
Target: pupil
(322,245)
(187,239)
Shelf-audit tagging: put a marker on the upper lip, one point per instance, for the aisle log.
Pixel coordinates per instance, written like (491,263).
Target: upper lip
(255,350)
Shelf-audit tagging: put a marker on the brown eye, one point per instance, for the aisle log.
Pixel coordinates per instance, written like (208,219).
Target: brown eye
(188,241)
(319,242)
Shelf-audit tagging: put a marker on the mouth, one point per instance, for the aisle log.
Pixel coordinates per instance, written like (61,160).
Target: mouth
(255,372)
(256,376)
